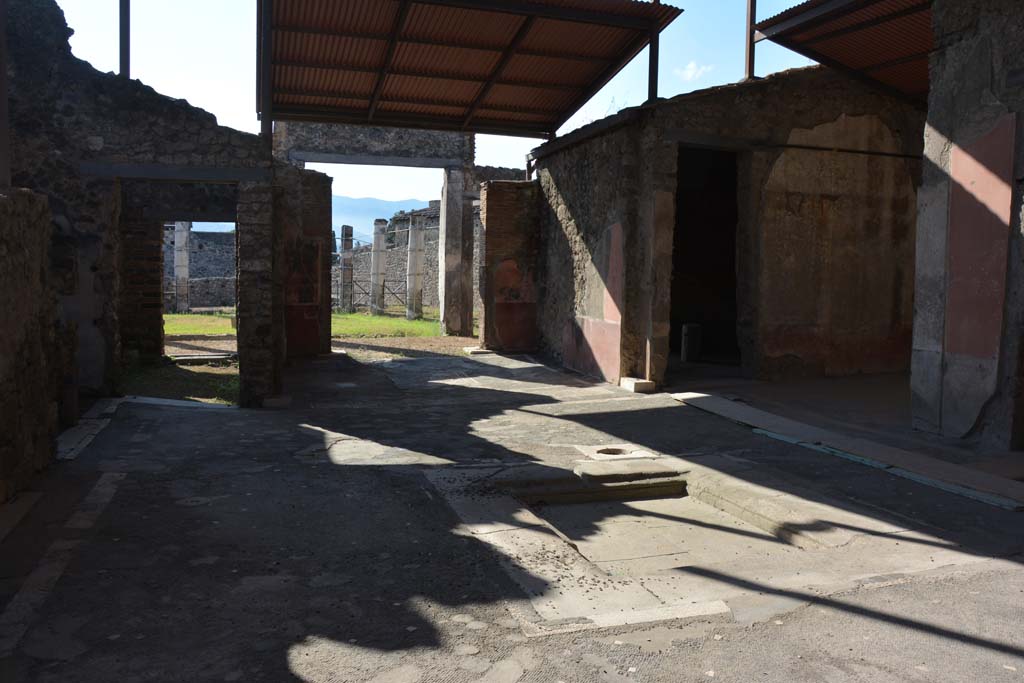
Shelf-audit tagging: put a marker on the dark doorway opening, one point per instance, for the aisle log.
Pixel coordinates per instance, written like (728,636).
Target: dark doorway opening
(704,308)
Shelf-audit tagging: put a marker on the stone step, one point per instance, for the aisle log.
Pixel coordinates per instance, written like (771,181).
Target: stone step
(638,469)
(589,491)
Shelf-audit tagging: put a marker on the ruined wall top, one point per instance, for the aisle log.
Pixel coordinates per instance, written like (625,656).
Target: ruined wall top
(339,143)
(59,101)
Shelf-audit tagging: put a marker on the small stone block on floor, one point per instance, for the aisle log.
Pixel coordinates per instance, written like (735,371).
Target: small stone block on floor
(637,386)
(475,350)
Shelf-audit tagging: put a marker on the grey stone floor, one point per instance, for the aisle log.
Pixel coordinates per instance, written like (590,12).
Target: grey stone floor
(306,544)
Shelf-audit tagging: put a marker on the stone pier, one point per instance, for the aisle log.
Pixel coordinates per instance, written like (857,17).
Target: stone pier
(347,297)
(182,232)
(455,254)
(378,267)
(414,272)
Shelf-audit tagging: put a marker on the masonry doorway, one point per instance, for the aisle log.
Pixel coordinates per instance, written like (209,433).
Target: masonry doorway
(704,280)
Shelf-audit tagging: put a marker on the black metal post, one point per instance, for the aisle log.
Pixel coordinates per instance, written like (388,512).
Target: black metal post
(652,72)
(751,21)
(5,121)
(126,38)
(266,60)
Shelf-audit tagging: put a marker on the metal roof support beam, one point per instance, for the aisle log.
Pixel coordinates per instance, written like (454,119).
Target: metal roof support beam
(814,17)
(125,32)
(5,122)
(413,40)
(352,95)
(547,12)
(499,68)
(464,78)
(896,62)
(615,67)
(266,50)
(869,23)
(751,61)
(389,56)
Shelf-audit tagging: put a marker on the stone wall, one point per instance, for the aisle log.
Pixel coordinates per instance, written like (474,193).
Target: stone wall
(35,350)
(211,254)
(141,302)
(203,292)
(211,269)
(582,220)
(825,238)
(968,372)
(398,259)
(69,125)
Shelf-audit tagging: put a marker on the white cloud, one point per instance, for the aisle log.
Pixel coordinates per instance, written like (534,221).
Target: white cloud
(693,71)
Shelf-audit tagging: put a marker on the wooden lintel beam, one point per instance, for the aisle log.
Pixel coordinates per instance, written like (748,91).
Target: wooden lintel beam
(171,173)
(406,120)
(389,56)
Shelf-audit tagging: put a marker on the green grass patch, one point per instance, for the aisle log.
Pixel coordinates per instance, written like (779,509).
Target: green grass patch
(205,383)
(194,324)
(365,325)
(342,325)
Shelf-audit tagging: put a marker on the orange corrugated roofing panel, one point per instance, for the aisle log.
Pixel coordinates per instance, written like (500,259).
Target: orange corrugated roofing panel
(506,66)
(887,41)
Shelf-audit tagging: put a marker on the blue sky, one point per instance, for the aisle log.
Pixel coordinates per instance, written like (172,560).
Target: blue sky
(204,51)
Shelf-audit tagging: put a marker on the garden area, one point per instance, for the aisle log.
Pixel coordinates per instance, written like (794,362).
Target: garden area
(190,338)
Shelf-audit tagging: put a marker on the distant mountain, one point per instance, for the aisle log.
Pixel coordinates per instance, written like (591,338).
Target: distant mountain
(360,213)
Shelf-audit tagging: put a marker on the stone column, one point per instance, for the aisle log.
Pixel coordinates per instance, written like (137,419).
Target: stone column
(414,272)
(182,233)
(378,267)
(346,302)
(455,254)
(259,354)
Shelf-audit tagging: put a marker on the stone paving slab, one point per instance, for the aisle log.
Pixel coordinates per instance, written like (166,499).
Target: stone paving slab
(915,466)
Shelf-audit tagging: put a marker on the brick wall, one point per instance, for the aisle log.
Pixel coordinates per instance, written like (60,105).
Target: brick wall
(142,306)
(509,260)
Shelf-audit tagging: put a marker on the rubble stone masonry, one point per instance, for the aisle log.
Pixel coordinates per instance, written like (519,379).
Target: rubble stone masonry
(33,368)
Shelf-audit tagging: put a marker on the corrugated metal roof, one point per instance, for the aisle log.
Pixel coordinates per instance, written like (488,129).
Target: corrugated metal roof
(886,41)
(519,67)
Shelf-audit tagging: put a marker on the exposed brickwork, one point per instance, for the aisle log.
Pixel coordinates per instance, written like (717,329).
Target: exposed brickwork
(302,216)
(142,306)
(509,260)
